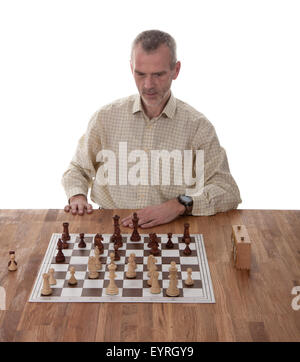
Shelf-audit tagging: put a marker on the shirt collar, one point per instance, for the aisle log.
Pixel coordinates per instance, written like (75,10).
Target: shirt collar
(169,109)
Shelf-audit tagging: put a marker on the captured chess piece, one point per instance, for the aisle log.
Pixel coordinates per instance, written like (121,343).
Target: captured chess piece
(135,236)
(46,290)
(66,230)
(72,280)
(170,244)
(12,264)
(82,243)
(52,280)
(60,258)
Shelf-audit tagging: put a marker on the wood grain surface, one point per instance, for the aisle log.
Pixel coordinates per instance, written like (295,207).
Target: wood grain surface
(250,306)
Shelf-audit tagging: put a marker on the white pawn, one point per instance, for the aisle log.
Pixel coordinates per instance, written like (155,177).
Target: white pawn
(72,280)
(46,286)
(189,280)
(112,288)
(97,256)
(93,274)
(112,259)
(131,270)
(52,280)
(155,288)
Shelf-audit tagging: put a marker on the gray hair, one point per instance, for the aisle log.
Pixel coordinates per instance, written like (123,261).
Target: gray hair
(152,39)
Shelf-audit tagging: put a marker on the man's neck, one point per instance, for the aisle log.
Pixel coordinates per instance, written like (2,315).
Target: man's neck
(153,112)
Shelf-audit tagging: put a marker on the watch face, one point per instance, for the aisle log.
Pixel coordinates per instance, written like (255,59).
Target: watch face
(186,199)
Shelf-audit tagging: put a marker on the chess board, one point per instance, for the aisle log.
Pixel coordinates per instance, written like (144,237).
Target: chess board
(130,290)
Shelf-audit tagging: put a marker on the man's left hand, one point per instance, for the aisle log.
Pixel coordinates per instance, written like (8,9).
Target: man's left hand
(157,214)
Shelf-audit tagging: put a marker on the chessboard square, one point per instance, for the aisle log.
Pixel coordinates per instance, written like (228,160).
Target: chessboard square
(78,285)
(90,283)
(60,275)
(67,252)
(158,260)
(197,284)
(71,292)
(119,275)
(139,268)
(79,260)
(133,283)
(119,283)
(121,261)
(60,267)
(169,259)
(132,292)
(147,293)
(170,253)
(138,253)
(81,252)
(67,260)
(195,275)
(193,292)
(88,246)
(91,292)
(178,296)
(134,246)
(167,282)
(80,275)
(145,275)
(56,292)
(166,267)
(59,283)
(192,246)
(188,260)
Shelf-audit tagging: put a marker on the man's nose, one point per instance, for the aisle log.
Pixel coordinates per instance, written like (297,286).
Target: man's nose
(149,83)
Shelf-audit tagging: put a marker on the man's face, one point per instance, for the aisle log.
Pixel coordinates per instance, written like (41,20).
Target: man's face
(153,75)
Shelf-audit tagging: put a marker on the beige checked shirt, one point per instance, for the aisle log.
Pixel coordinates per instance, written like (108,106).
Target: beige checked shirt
(178,127)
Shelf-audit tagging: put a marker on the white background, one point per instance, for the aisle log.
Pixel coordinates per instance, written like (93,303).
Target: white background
(62,60)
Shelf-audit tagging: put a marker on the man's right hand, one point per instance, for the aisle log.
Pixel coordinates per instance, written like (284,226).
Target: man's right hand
(79,205)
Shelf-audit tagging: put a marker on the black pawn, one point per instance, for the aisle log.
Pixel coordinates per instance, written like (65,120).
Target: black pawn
(82,243)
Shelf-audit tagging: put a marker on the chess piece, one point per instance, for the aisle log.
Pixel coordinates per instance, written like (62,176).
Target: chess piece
(12,264)
(72,280)
(46,290)
(150,262)
(154,250)
(82,243)
(189,281)
(131,259)
(187,250)
(186,233)
(151,237)
(112,288)
(52,280)
(135,236)
(66,230)
(117,254)
(172,290)
(92,268)
(60,258)
(64,238)
(98,242)
(97,256)
(131,270)
(155,288)
(170,244)
(112,259)
(153,268)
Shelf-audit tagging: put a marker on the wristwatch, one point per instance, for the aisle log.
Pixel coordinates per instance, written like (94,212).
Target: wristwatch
(187,201)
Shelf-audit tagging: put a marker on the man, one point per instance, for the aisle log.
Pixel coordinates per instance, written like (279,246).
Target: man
(151,121)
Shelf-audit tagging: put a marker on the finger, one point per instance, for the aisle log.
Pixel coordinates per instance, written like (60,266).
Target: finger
(67,208)
(126,221)
(80,209)
(74,209)
(89,209)
(150,224)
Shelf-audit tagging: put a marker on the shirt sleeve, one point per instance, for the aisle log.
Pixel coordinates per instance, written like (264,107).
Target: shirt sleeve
(219,191)
(82,169)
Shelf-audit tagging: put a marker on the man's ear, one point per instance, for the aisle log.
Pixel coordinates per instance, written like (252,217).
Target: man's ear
(131,66)
(176,70)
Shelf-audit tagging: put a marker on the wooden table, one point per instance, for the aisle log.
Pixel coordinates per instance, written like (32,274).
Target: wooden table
(249,307)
